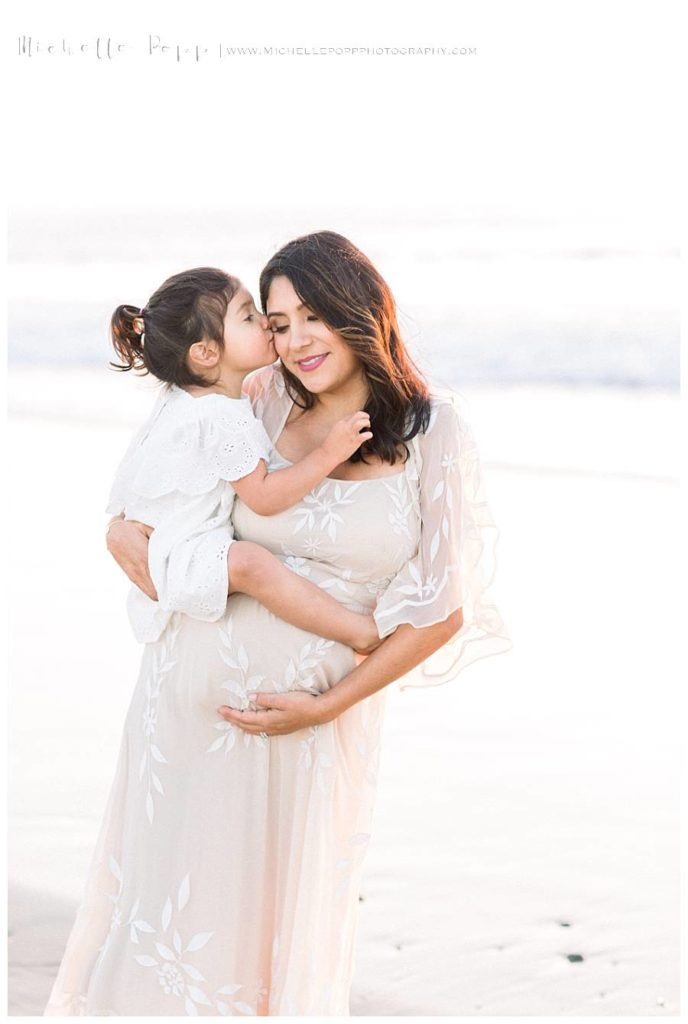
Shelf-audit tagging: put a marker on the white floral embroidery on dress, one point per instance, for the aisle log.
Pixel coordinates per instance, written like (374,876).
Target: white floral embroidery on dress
(368,751)
(310,655)
(419,587)
(312,546)
(301,566)
(135,924)
(172,970)
(377,587)
(320,511)
(297,676)
(306,755)
(400,494)
(342,582)
(311,758)
(160,663)
(236,657)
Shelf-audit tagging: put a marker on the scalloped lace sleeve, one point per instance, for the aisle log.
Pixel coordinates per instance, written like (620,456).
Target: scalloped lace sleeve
(455,562)
(193,445)
(120,488)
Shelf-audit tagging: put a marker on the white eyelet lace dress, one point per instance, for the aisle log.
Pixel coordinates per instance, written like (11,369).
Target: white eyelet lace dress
(176,476)
(226,875)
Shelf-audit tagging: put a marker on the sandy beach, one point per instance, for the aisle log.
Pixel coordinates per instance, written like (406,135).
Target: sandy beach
(524,859)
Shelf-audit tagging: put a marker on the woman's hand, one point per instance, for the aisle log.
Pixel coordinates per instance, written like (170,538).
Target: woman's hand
(279,713)
(127,542)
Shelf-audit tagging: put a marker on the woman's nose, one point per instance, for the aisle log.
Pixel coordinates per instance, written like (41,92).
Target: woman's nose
(299,336)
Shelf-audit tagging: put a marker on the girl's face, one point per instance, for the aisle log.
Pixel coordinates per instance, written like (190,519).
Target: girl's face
(248,338)
(317,356)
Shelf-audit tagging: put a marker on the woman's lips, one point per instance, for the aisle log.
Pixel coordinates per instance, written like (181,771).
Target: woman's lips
(312,363)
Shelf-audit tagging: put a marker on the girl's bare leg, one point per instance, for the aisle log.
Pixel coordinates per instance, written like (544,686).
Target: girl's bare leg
(255,571)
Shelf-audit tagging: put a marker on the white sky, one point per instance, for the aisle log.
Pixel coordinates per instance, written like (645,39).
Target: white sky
(569,108)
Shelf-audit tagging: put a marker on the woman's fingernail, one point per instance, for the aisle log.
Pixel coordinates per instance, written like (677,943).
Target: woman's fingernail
(252,696)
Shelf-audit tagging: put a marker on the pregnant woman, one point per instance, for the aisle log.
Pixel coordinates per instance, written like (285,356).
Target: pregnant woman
(255,743)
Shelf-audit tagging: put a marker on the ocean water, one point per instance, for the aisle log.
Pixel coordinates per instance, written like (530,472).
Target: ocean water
(482,300)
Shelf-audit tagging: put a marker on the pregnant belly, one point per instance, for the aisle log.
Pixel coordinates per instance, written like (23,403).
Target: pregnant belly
(248,650)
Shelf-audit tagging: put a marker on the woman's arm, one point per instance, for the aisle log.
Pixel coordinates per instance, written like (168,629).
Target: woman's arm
(403,650)
(267,494)
(127,542)
(406,648)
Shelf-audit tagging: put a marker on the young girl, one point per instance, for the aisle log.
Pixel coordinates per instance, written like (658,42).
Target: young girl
(200,334)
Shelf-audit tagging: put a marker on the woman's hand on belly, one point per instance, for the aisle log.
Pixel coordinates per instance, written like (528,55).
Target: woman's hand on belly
(279,714)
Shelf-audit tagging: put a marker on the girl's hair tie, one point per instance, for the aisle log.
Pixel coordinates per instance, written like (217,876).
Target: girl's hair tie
(137,323)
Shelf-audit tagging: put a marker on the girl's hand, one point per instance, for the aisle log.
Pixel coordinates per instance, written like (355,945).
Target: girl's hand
(345,437)
(279,713)
(127,542)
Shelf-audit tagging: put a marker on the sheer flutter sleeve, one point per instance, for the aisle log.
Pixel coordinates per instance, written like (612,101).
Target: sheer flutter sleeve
(268,395)
(455,562)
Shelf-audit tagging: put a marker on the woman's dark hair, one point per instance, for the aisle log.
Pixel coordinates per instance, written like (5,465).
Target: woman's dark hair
(186,308)
(341,286)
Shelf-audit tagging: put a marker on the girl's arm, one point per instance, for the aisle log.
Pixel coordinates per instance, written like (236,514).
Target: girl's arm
(269,493)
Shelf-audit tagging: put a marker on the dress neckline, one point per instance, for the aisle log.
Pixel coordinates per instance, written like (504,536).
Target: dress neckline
(334,479)
(341,480)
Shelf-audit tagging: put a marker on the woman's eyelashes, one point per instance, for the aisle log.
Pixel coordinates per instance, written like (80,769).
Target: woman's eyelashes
(281,328)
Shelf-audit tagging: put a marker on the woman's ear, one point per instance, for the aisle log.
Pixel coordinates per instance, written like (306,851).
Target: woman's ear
(203,355)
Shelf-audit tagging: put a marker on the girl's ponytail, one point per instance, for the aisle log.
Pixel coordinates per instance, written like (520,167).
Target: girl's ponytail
(127,328)
(186,308)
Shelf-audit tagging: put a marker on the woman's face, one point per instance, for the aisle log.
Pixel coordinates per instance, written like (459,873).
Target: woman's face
(317,356)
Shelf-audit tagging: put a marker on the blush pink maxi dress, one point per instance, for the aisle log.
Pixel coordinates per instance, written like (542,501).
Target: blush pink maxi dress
(226,874)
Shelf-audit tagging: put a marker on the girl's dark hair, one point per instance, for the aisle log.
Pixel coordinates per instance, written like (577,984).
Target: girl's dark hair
(341,286)
(186,308)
